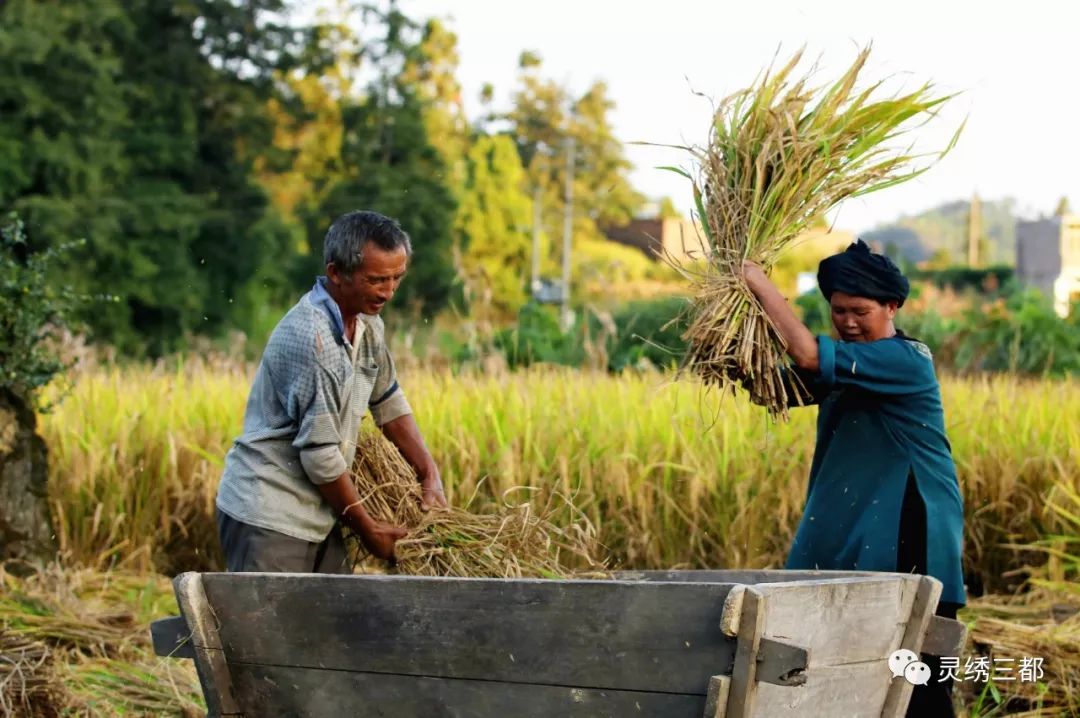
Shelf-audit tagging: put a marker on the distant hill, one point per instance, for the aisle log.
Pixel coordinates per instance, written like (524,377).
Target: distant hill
(918,237)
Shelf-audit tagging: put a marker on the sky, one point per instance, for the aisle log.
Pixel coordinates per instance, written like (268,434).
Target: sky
(1015,64)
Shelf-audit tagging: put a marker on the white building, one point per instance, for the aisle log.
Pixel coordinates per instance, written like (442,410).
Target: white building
(1048,257)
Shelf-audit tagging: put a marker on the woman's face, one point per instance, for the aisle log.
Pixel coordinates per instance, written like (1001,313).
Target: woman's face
(861,319)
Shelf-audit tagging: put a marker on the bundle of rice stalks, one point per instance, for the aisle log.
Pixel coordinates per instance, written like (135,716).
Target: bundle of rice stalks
(780,154)
(519,541)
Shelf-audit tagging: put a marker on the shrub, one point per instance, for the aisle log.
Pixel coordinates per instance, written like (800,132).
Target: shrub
(33,307)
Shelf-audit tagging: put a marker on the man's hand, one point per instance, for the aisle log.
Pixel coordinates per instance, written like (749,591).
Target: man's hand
(405,435)
(433,498)
(379,537)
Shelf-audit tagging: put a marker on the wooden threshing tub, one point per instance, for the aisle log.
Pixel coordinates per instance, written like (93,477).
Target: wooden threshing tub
(665,643)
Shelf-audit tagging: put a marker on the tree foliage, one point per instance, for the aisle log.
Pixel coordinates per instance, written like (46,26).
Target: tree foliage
(203,147)
(32,311)
(492,226)
(144,119)
(543,116)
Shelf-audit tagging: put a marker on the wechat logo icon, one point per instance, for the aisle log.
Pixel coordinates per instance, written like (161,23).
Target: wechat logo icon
(903,662)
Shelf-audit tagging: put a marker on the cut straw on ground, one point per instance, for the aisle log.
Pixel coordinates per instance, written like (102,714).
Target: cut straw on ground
(75,642)
(1040,625)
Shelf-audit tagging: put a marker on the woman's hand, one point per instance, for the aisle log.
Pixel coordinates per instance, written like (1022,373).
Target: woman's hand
(753,274)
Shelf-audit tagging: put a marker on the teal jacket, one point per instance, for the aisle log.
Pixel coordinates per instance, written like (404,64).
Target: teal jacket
(880,419)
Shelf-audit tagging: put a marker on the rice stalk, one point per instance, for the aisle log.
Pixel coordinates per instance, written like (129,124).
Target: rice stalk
(141,687)
(26,685)
(517,541)
(780,154)
(1042,623)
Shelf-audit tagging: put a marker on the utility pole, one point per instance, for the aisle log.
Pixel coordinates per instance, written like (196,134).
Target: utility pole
(974,231)
(534,286)
(568,230)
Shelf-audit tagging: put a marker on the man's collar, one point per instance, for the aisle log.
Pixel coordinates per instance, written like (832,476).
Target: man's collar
(321,297)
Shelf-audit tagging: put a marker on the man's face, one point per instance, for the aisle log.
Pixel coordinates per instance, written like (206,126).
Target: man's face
(861,319)
(373,283)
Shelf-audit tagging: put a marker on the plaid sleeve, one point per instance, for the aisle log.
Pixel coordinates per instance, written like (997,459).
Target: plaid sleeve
(312,399)
(319,437)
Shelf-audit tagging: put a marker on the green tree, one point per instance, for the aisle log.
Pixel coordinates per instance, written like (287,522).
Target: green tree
(144,119)
(542,117)
(32,308)
(63,106)
(603,181)
(32,311)
(493,224)
(668,210)
(389,163)
(430,69)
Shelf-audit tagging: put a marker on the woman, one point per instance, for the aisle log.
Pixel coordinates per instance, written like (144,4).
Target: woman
(883,492)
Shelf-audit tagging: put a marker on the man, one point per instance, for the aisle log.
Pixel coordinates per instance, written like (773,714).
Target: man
(286,482)
(883,492)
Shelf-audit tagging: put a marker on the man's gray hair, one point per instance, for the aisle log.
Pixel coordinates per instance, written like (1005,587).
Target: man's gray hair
(347,236)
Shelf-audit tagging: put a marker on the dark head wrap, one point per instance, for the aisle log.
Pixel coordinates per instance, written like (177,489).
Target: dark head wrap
(861,273)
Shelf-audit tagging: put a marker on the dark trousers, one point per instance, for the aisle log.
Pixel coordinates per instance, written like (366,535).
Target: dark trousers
(934,699)
(250,548)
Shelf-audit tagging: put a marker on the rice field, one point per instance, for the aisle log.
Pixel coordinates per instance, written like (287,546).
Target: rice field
(670,475)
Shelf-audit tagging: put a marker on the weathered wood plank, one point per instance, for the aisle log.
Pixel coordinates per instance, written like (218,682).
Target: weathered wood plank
(840,621)
(944,637)
(743,691)
(275,690)
(209,656)
(855,690)
(729,622)
(653,637)
(172,638)
(716,700)
(784,664)
(922,610)
(778,662)
(748,577)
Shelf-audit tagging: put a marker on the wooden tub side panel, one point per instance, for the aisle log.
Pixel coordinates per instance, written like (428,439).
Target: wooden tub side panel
(849,627)
(273,690)
(630,636)
(210,661)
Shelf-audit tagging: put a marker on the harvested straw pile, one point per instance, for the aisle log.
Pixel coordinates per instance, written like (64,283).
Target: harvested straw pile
(1043,624)
(520,541)
(26,676)
(780,154)
(76,642)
